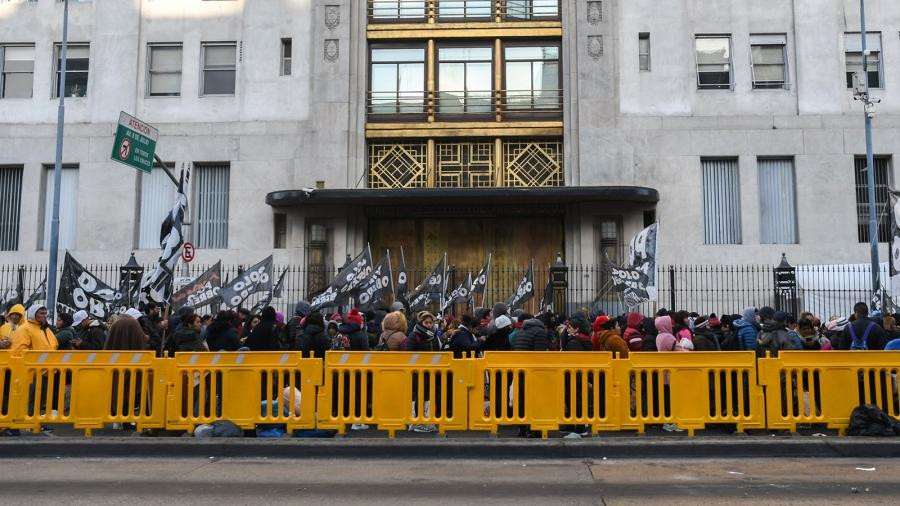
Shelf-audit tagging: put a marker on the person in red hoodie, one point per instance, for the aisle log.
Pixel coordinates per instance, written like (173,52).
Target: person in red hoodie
(633,336)
(607,338)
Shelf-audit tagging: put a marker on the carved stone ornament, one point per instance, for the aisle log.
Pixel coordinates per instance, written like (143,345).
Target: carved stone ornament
(594,12)
(595,46)
(332,16)
(332,50)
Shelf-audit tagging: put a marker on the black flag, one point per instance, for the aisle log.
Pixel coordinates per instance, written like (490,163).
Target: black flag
(432,288)
(402,277)
(200,292)
(273,293)
(480,281)
(345,283)
(156,284)
(39,295)
(462,294)
(255,279)
(547,300)
(79,289)
(378,285)
(525,290)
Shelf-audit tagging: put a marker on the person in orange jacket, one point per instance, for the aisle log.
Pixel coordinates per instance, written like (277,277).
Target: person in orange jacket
(34,334)
(607,338)
(15,317)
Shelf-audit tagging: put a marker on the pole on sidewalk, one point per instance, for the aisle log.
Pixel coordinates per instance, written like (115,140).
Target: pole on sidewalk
(57,169)
(870,159)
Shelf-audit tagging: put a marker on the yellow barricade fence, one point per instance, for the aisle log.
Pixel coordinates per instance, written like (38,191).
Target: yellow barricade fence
(393,390)
(825,387)
(690,390)
(246,388)
(7,379)
(544,390)
(89,389)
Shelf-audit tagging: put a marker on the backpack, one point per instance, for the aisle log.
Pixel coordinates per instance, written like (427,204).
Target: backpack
(860,344)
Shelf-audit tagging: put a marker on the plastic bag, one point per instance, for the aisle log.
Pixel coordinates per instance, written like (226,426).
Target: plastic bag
(870,420)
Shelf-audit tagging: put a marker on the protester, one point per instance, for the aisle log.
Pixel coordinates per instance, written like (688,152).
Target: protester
(313,341)
(65,333)
(705,338)
(187,337)
(244,318)
(681,328)
(154,326)
(126,334)
(34,334)
(862,333)
(811,339)
(393,331)
(665,339)
(532,336)
(422,337)
(648,325)
(606,337)
(352,329)
(632,334)
(774,336)
(464,342)
(91,334)
(264,336)
(294,327)
(578,334)
(747,329)
(221,334)
(16,316)
(498,331)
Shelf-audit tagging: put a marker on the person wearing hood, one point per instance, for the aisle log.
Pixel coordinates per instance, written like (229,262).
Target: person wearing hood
(34,334)
(422,337)
(264,337)
(607,338)
(774,336)
(498,338)
(221,334)
(532,336)
(665,340)
(65,333)
(578,334)
(747,329)
(91,333)
(633,336)
(648,325)
(393,331)
(294,327)
(15,317)
(705,338)
(313,341)
(353,329)
(500,309)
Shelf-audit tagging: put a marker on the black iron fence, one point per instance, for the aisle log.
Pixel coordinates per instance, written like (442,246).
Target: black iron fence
(825,290)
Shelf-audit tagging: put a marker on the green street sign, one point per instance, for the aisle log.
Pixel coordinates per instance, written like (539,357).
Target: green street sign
(135,143)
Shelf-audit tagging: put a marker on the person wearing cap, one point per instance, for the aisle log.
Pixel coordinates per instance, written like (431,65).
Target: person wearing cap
(294,326)
(313,340)
(65,333)
(705,338)
(352,329)
(423,337)
(774,336)
(497,338)
(607,338)
(35,334)
(15,317)
(91,333)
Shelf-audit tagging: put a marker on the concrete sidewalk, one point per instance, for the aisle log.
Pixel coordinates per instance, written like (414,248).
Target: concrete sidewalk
(733,447)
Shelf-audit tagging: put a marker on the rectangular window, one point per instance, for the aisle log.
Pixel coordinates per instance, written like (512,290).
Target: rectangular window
(464,9)
(280,231)
(10,207)
(211,190)
(164,70)
(882,197)
(77,65)
(397,81)
(387,10)
(286,50)
(721,201)
(854,57)
(713,62)
(158,195)
(16,71)
(644,52)
(531,9)
(532,78)
(465,79)
(768,59)
(219,68)
(68,206)
(777,201)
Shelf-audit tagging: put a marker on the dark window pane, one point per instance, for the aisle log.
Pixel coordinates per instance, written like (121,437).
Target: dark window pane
(218,82)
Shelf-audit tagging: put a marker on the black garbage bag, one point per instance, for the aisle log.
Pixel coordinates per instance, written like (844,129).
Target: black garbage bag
(870,420)
(219,428)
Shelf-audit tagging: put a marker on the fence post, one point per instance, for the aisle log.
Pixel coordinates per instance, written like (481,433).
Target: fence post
(559,277)
(672,288)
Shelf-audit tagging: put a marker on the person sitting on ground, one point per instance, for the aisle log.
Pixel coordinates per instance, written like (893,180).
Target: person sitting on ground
(34,334)
(221,334)
(65,333)
(747,329)
(705,338)
(126,334)
(862,333)
(532,336)
(187,337)
(422,337)
(607,338)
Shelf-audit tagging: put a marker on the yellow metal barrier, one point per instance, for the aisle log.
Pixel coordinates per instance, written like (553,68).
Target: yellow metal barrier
(825,387)
(544,390)
(89,389)
(394,389)
(246,388)
(8,377)
(690,390)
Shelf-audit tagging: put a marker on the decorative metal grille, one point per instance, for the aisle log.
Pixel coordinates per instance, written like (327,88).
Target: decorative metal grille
(533,163)
(398,165)
(465,165)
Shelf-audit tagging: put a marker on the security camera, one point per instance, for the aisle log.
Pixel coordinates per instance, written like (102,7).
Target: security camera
(307,191)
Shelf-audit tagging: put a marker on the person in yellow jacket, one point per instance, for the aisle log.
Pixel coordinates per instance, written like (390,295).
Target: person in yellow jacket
(34,334)
(15,317)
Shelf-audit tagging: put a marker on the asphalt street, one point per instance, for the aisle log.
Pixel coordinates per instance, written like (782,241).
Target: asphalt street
(228,481)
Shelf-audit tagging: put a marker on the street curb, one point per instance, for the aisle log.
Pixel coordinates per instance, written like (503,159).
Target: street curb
(469,448)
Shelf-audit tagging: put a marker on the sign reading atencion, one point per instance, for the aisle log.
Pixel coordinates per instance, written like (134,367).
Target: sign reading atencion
(135,143)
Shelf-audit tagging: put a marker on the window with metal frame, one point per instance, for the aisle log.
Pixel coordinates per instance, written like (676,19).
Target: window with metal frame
(389,10)
(219,65)
(517,10)
(158,195)
(721,201)
(882,197)
(286,53)
(279,231)
(644,51)
(68,206)
(532,77)
(397,80)
(465,9)
(10,206)
(854,57)
(164,70)
(211,183)
(465,80)
(16,70)
(768,61)
(77,68)
(713,62)
(777,201)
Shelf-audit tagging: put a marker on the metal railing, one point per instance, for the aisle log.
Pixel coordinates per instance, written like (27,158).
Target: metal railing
(381,104)
(382,11)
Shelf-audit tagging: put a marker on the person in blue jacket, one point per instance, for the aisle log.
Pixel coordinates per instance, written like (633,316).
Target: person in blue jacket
(747,329)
